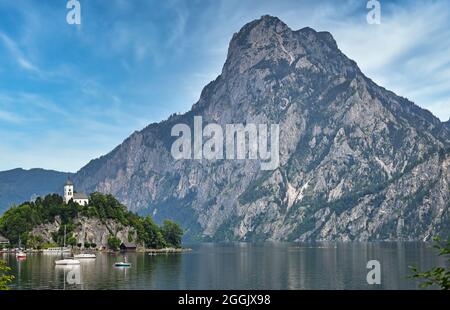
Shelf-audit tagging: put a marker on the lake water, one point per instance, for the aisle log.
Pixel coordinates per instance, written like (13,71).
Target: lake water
(235,266)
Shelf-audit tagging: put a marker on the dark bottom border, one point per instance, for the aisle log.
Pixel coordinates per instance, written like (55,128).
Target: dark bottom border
(231,299)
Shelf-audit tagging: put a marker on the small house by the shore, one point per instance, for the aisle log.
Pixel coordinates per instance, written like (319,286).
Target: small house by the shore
(3,241)
(128,246)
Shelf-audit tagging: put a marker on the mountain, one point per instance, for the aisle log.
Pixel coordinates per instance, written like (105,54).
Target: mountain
(357,162)
(19,185)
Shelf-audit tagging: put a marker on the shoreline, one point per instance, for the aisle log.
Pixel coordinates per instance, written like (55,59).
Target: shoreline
(139,250)
(166,250)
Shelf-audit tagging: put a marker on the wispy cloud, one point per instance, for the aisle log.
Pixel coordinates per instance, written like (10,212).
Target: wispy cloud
(17,54)
(10,117)
(407,53)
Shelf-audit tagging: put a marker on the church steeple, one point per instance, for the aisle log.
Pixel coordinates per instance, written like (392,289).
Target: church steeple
(68,191)
(69,194)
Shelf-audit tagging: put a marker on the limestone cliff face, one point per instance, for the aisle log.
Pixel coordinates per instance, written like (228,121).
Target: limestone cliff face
(90,230)
(357,162)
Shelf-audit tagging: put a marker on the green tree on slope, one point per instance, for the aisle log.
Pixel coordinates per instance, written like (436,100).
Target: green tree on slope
(172,233)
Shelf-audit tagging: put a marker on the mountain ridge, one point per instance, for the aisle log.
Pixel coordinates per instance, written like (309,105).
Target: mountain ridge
(18,185)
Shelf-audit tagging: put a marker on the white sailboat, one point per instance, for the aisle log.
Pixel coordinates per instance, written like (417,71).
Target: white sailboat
(67,261)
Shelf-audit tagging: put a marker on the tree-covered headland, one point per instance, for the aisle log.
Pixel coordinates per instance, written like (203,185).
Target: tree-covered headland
(19,221)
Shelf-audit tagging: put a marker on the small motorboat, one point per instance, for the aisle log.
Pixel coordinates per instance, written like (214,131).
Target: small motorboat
(67,262)
(85,256)
(125,263)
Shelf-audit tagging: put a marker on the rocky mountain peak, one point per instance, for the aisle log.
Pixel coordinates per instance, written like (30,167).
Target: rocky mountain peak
(258,30)
(266,53)
(356,160)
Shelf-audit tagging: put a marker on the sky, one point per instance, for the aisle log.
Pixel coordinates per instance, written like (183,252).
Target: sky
(71,93)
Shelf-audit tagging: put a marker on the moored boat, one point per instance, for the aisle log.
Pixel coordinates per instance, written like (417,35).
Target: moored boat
(67,261)
(21,255)
(122,264)
(85,256)
(56,250)
(125,263)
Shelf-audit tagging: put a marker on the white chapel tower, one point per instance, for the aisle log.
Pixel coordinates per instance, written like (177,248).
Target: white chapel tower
(69,194)
(68,191)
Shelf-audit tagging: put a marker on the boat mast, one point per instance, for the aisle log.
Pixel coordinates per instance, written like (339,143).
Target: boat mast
(64,237)
(62,249)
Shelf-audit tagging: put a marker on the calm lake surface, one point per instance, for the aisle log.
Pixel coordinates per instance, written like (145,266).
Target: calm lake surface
(235,266)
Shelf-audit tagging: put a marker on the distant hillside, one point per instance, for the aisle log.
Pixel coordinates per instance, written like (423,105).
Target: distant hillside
(19,185)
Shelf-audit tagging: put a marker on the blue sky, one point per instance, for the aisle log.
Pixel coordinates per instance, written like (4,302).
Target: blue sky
(71,93)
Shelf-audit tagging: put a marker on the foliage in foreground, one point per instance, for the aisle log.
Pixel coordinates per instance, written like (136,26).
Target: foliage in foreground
(439,276)
(5,279)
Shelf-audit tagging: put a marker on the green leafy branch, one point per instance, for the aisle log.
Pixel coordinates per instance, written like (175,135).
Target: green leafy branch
(439,276)
(5,279)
